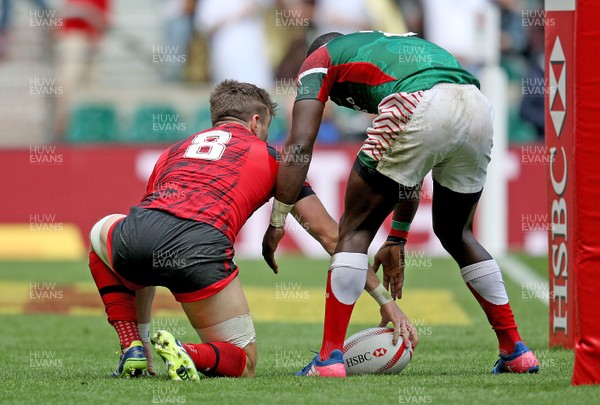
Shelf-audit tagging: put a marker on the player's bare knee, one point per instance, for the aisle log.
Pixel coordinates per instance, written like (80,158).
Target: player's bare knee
(457,244)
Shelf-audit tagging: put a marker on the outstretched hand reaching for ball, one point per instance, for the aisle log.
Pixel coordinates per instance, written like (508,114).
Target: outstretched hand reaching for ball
(391,312)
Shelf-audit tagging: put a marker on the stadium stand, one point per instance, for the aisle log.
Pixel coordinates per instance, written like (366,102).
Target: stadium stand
(93,123)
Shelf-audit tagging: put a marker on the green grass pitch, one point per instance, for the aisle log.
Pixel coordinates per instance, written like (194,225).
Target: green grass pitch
(60,359)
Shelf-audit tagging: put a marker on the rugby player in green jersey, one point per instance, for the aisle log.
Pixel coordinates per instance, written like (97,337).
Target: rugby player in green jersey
(431,116)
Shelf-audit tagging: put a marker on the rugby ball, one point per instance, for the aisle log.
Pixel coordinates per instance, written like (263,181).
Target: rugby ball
(371,352)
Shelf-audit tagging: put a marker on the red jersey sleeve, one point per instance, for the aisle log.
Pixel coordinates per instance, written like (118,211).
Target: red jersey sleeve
(315,78)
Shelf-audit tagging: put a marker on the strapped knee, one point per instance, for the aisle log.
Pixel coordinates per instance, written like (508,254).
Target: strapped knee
(238,331)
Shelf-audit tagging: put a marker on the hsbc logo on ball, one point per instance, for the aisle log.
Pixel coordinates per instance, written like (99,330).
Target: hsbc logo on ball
(358,359)
(379,352)
(361,358)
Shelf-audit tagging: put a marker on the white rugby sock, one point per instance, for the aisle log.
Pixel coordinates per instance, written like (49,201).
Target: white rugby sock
(345,282)
(485,278)
(348,276)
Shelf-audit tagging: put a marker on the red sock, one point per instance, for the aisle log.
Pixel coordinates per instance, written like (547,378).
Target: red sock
(503,322)
(217,359)
(119,301)
(337,317)
(128,332)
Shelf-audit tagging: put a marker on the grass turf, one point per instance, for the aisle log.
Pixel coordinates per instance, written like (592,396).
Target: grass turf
(62,359)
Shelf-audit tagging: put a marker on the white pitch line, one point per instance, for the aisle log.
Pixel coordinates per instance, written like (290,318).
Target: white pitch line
(532,285)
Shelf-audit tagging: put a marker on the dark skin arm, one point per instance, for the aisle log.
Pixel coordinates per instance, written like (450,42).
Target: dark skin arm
(295,160)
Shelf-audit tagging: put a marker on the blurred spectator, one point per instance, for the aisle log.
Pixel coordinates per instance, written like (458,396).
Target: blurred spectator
(513,36)
(5,14)
(346,16)
(238,44)
(412,10)
(289,35)
(456,26)
(178,26)
(386,16)
(84,25)
(198,64)
(341,16)
(532,104)
(78,41)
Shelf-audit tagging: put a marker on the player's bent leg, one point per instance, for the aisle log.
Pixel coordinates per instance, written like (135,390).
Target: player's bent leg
(225,326)
(119,304)
(453,223)
(118,299)
(370,197)
(452,215)
(229,349)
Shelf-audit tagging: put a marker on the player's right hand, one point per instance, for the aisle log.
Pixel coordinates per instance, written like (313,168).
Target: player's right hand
(391,312)
(391,257)
(269,245)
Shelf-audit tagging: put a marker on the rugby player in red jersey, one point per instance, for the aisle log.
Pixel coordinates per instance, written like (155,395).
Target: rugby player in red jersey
(431,117)
(201,191)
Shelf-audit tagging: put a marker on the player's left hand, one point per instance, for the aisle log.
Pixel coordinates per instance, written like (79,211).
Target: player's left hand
(391,312)
(269,245)
(148,351)
(391,257)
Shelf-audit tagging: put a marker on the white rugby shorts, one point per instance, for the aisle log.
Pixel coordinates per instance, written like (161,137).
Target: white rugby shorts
(447,129)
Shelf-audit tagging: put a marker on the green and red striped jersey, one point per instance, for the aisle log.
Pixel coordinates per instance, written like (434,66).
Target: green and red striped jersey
(359,70)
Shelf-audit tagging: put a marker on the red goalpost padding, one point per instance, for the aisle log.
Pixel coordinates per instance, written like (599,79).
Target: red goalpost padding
(573,141)
(587,193)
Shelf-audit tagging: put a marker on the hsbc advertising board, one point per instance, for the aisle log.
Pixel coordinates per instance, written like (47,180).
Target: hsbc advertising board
(560,134)
(78,185)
